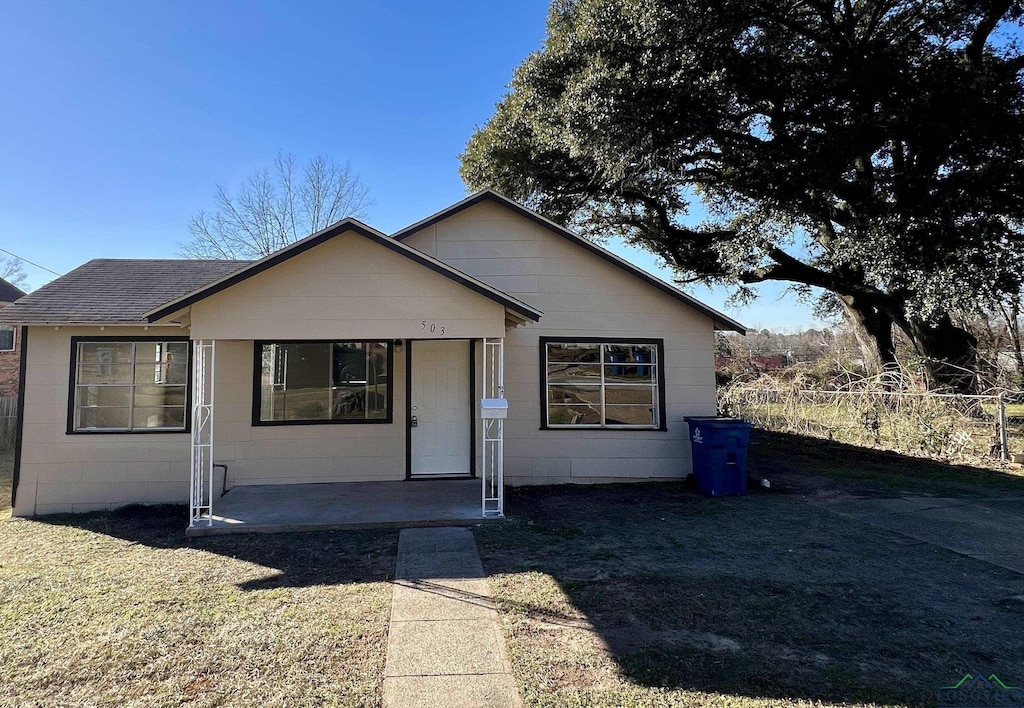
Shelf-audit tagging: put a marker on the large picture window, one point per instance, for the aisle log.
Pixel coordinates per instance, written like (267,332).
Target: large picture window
(602,384)
(129,386)
(323,382)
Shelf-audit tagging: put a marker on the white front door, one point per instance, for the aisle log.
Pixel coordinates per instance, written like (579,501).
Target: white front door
(440,408)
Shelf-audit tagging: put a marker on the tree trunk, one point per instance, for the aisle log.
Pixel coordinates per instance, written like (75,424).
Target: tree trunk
(1011,317)
(949,353)
(873,330)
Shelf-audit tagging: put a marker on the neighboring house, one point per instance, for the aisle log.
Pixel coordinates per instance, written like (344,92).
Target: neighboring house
(10,352)
(355,356)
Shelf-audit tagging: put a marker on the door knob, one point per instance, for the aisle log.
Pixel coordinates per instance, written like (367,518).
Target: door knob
(413,422)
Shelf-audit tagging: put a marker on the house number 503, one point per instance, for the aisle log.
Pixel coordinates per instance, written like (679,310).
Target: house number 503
(432,327)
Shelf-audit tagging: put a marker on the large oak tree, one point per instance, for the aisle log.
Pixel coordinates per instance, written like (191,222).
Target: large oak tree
(871,148)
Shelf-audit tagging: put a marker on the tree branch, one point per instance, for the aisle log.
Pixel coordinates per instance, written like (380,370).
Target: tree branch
(976,44)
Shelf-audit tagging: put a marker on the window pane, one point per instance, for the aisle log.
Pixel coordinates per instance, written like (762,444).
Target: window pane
(569,372)
(104,395)
(324,381)
(158,418)
(6,338)
(104,362)
(161,362)
(573,415)
(590,395)
(629,415)
(630,353)
(629,372)
(159,396)
(148,352)
(104,373)
(585,353)
(629,394)
(101,418)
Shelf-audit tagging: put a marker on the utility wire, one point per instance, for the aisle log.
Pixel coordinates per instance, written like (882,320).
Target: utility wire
(30,262)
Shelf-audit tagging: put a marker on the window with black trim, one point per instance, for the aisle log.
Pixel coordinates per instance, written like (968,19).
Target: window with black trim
(7,338)
(602,384)
(129,385)
(323,382)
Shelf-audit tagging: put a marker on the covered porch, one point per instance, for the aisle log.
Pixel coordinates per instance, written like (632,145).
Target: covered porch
(345,363)
(218,506)
(281,508)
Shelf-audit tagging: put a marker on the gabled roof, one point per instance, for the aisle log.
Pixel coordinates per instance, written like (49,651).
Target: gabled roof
(171,306)
(721,321)
(108,291)
(9,292)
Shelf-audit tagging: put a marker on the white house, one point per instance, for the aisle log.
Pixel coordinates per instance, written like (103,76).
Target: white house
(353,356)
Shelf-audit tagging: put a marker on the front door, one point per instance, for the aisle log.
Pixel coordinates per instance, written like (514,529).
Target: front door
(440,408)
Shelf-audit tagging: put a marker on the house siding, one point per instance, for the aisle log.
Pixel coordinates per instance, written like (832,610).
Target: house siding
(580,294)
(73,473)
(346,288)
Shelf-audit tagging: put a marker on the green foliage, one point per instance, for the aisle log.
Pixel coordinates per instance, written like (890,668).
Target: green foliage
(874,149)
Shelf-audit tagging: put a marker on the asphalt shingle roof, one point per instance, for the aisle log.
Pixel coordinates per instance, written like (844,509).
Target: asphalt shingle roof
(113,290)
(8,292)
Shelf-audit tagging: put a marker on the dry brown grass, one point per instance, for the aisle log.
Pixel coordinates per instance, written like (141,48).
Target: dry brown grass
(6,473)
(119,608)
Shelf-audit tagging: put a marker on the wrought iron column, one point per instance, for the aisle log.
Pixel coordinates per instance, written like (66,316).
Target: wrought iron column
(201,490)
(493,429)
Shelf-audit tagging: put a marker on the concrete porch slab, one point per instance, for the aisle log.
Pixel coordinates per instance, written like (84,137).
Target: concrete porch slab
(279,508)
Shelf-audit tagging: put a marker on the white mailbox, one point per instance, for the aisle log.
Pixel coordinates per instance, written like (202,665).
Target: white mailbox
(493,408)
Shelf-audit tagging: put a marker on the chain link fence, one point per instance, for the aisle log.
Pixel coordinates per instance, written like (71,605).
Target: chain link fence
(982,430)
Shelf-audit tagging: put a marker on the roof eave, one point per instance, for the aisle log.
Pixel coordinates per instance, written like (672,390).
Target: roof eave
(89,323)
(180,303)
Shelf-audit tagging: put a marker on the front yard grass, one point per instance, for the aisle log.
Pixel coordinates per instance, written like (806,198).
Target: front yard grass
(650,595)
(118,608)
(619,595)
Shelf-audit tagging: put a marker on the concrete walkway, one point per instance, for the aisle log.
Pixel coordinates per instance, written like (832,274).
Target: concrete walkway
(445,646)
(970,528)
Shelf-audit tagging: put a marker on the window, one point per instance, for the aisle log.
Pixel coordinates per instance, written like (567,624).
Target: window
(602,384)
(129,385)
(323,382)
(6,338)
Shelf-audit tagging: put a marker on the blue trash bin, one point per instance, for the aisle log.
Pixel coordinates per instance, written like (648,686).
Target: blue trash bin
(719,447)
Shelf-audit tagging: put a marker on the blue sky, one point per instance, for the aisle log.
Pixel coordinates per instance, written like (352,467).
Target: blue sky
(121,117)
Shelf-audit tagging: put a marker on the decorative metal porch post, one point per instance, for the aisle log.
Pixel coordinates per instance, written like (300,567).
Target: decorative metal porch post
(493,428)
(201,490)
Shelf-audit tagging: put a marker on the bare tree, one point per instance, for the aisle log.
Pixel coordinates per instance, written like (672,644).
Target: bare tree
(13,271)
(276,207)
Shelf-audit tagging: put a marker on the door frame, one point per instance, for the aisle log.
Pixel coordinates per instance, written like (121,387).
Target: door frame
(408,412)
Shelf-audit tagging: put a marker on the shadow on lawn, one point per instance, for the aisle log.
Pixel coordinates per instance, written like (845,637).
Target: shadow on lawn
(766,596)
(801,462)
(299,559)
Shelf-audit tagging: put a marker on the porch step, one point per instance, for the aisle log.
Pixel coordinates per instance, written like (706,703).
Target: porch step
(332,506)
(221,528)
